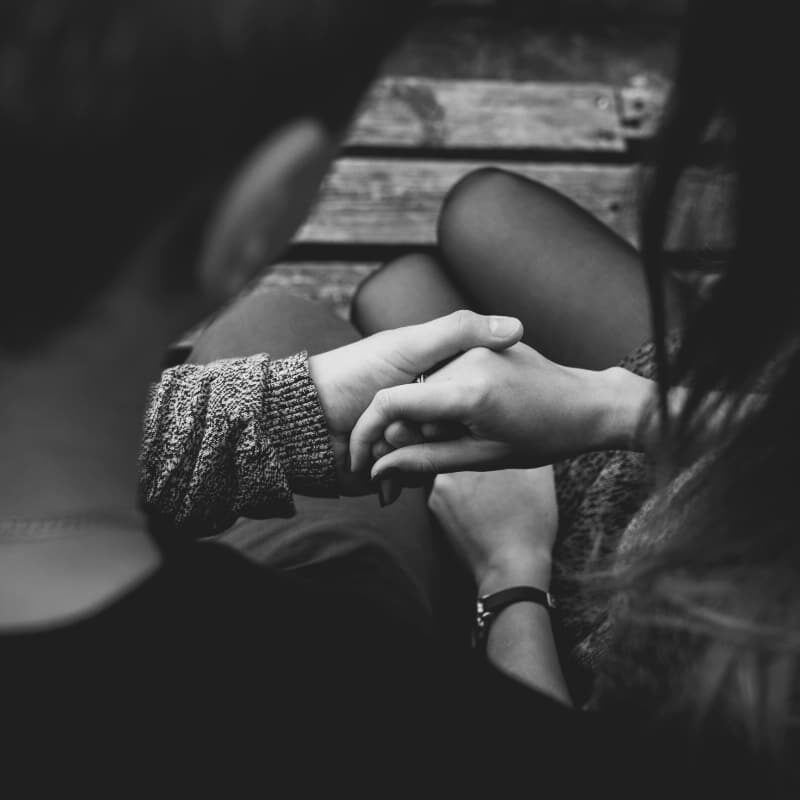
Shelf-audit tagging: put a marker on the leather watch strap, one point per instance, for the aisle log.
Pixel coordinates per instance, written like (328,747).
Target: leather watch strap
(489,606)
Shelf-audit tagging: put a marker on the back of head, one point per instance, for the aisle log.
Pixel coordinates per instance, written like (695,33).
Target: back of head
(114,112)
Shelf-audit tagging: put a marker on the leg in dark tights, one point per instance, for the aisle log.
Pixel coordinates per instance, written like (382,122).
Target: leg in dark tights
(511,246)
(407,291)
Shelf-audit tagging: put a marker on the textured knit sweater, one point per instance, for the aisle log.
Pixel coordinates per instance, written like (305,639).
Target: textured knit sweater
(233,438)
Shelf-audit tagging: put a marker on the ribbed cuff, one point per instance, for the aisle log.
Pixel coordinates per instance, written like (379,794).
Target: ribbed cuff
(298,429)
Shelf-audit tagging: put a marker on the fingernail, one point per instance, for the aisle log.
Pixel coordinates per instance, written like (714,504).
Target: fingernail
(385,490)
(397,490)
(390,489)
(503,326)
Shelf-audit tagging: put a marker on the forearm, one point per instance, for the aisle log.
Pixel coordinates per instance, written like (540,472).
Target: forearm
(521,645)
(520,641)
(620,399)
(233,438)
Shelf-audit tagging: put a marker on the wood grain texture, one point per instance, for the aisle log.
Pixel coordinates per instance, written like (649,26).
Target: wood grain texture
(437,113)
(397,201)
(331,283)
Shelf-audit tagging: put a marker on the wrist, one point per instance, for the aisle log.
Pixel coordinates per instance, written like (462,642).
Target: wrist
(531,569)
(298,428)
(622,401)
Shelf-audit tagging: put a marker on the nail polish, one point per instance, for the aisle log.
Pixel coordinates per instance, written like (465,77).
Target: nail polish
(385,490)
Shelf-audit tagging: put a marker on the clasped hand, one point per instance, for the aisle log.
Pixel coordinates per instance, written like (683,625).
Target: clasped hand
(483,410)
(348,379)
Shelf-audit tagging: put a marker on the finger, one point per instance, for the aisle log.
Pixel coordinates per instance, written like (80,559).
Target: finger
(411,402)
(440,431)
(402,434)
(435,457)
(441,339)
(380,449)
(406,480)
(400,481)
(388,488)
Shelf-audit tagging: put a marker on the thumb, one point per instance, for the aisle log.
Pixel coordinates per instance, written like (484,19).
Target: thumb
(444,338)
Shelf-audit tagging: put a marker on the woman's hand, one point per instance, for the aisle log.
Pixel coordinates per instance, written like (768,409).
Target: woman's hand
(513,408)
(348,378)
(502,523)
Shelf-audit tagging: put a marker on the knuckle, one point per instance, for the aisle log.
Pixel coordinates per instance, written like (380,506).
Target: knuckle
(428,459)
(400,434)
(443,484)
(380,449)
(480,390)
(463,321)
(476,358)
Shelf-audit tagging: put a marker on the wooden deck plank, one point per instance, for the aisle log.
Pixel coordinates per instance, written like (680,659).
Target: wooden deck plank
(397,201)
(437,113)
(494,48)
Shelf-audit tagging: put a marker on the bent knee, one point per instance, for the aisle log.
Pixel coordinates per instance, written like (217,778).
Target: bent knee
(472,203)
(376,298)
(474,207)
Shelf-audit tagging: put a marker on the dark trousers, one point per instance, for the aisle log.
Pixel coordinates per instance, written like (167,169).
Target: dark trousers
(386,552)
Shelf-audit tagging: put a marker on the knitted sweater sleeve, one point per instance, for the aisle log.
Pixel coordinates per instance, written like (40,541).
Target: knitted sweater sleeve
(233,438)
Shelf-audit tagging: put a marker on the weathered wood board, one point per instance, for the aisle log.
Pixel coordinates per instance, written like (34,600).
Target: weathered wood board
(431,113)
(397,201)
(565,105)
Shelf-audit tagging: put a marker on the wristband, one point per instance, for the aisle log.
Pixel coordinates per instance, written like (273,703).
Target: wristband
(489,606)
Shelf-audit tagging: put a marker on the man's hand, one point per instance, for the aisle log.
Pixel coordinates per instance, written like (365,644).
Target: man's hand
(502,523)
(348,378)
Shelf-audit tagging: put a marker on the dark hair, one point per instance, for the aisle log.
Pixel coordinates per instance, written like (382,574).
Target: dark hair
(725,582)
(114,112)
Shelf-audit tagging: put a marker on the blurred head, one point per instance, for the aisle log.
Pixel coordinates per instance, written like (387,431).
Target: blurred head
(123,119)
(714,614)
